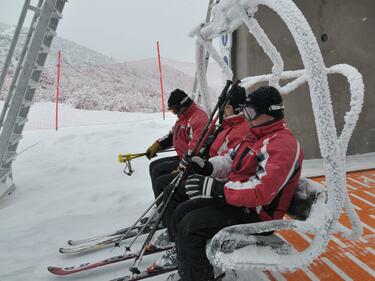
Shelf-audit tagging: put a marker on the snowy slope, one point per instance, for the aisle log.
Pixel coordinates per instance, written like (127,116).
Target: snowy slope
(69,185)
(90,80)
(72,53)
(214,72)
(115,87)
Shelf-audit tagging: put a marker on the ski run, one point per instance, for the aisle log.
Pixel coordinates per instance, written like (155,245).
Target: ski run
(71,186)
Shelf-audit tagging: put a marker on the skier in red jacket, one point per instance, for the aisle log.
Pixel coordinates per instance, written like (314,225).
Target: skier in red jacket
(233,129)
(234,126)
(183,136)
(262,175)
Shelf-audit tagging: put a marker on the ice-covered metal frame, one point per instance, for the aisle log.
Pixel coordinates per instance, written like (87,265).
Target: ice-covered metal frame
(227,15)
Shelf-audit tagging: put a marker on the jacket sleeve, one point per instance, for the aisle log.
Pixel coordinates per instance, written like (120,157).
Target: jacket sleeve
(197,124)
(277,161)
(167,140)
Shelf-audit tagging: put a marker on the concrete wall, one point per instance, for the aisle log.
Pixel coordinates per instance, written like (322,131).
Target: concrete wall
(349,29)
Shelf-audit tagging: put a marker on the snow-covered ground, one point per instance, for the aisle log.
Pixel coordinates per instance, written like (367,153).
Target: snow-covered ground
(70,186)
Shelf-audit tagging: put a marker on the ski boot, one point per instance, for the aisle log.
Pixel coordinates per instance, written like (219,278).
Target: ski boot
(174,277)
(161,241)
(167,260)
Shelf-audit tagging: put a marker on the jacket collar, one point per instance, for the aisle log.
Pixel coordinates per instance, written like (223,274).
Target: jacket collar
(187,112)
(233,120)
(269,129)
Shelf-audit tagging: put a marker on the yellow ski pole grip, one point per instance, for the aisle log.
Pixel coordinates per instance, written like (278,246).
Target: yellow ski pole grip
(129,156)
(124,157)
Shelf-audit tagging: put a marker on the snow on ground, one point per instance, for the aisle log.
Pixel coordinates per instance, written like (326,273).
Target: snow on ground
(70,186)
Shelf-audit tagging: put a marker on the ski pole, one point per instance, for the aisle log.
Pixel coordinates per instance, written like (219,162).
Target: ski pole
(223,99)
(152,217)
(117,244)
(147,224)
(134,268)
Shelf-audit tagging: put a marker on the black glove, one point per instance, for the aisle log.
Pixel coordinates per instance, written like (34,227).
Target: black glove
(199,165)
(201,186)
(179,195)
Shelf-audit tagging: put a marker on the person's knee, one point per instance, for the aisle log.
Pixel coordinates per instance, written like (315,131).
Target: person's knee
(181,211)
(152,166)
(177,218)
(159,184)
(186,227)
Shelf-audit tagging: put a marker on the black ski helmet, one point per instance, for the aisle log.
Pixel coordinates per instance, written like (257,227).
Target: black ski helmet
(238,99)
(266,100)
(178,99)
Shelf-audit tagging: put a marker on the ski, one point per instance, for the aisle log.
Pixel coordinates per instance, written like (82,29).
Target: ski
(96,238)
(87,266)
(108,235)
(154,271)
(100,244)
(147,273)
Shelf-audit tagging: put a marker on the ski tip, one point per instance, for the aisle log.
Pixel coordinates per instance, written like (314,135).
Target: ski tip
(54,270)
(59,271)
(70,242)
(153,268)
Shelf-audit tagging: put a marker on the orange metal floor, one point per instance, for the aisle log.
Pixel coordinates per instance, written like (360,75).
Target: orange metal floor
(343,259)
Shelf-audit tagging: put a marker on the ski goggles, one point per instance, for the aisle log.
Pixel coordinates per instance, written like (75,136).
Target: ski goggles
(249,112)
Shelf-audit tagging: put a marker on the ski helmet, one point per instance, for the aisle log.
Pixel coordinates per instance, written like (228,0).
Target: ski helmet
(178,99)
(264,100)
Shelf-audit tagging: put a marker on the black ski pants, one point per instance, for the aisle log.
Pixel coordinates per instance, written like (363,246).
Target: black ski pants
(193,223)
(160,173)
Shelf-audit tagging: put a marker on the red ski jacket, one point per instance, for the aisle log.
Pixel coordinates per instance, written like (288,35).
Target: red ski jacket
(262,172)
(186,131)
(235,128)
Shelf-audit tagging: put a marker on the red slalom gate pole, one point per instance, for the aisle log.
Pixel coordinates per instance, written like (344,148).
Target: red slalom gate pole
(161,81)
(58,88)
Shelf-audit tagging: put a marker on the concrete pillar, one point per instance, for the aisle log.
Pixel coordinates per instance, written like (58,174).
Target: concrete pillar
(345,31)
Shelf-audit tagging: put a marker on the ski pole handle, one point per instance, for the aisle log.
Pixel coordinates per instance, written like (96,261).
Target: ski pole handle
(122,158)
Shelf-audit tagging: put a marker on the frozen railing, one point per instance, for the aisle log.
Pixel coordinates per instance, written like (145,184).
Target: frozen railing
(227,15)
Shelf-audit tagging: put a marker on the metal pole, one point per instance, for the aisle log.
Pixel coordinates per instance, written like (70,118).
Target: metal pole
(19,63)
(14,42)
(207,57)
(10,55)
(58,89)
(161,80)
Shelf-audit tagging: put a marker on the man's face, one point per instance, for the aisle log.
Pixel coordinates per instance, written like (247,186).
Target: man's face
(228,110)
(173,109)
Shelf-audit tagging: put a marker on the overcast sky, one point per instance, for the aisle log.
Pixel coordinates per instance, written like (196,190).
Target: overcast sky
(126,29)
